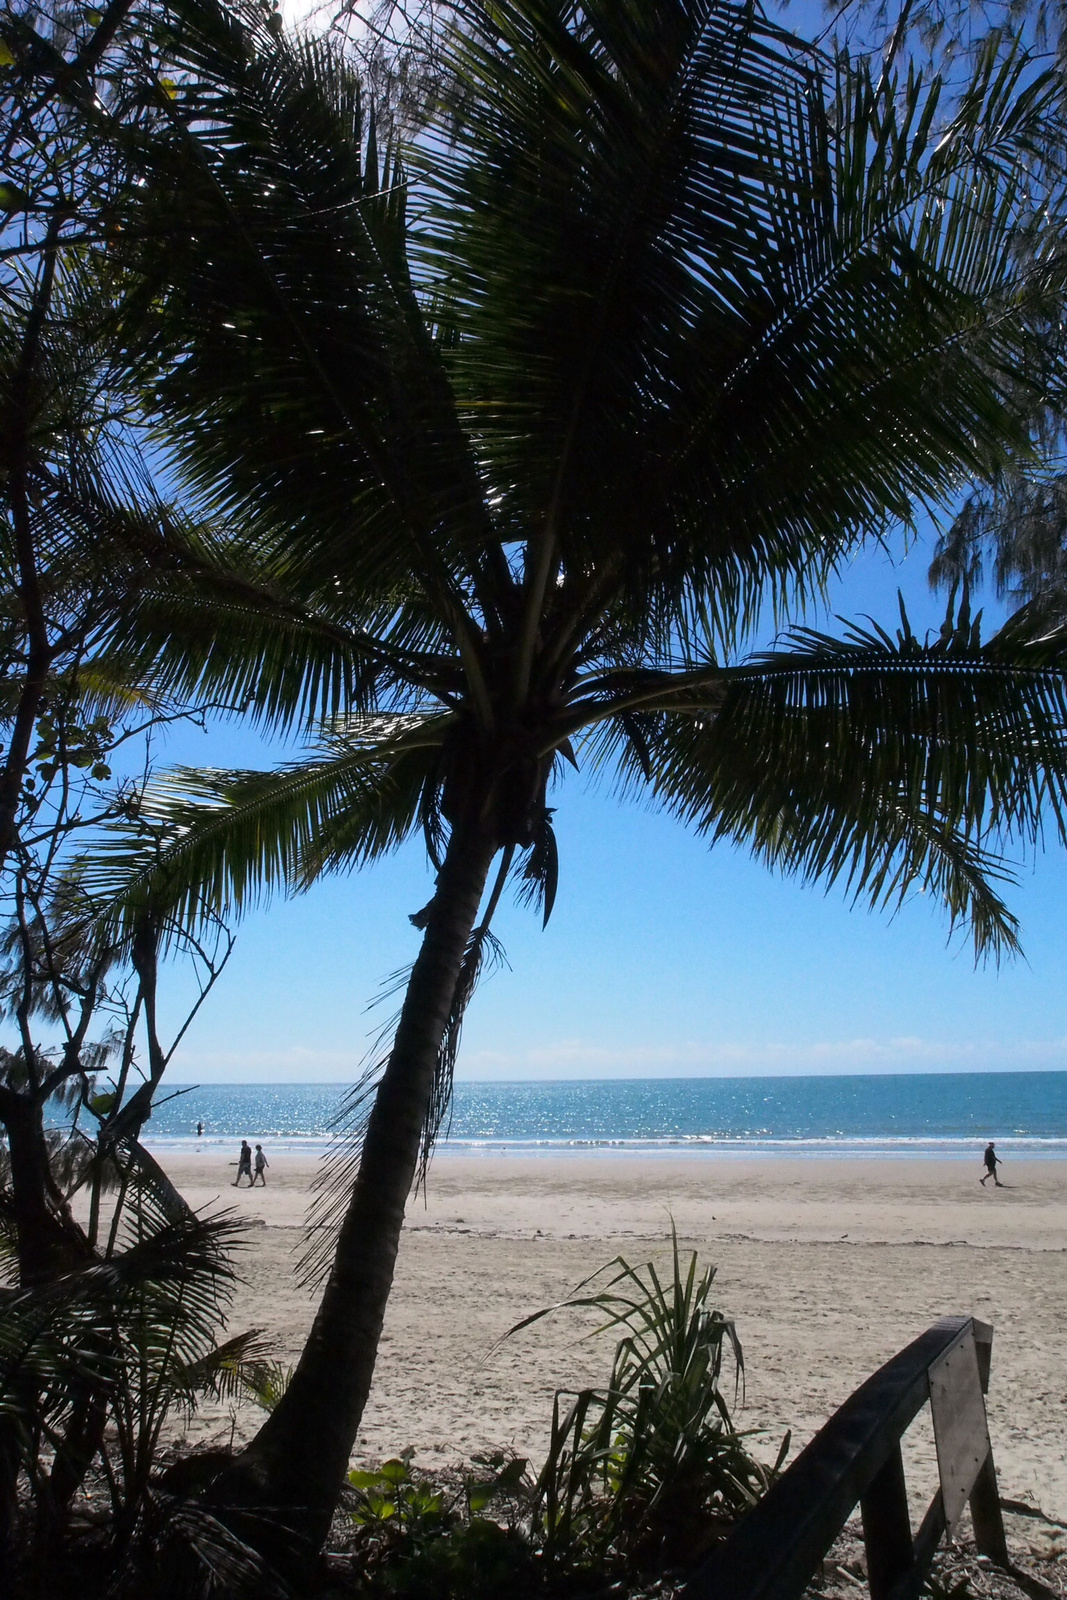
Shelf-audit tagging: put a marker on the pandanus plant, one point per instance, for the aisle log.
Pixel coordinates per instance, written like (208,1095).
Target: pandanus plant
(513,435)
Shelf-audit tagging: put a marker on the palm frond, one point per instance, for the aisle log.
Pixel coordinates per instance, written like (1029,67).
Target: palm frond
(239,1366)
(751,318)
(160,1298)
(212,840)
(286,206)
(182,1549)
(888,763)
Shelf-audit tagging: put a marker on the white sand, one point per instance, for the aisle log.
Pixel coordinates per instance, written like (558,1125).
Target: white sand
(829,1267)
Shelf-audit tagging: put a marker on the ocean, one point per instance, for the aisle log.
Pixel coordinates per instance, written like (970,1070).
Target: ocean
(942,1114)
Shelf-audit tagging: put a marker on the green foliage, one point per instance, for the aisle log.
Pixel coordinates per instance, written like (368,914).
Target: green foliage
(475,1560)
(431,1541)
(500,1476)
(394,1494)
(649,1469)
(640,1476)
(97,1361)
(79,746)
(263,1381)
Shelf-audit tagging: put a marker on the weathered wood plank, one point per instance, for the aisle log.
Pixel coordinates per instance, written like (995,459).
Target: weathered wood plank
(983,1345)
(961,1435)
(776,1548)
(887,1526)
(929,1536)
(986,1515)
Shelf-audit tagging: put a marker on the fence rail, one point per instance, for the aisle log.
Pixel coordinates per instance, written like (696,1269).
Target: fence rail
(856,1460)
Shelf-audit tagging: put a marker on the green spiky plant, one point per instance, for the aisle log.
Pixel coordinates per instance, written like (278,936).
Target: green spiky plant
(518,432)
(651,1468)
(641,1476)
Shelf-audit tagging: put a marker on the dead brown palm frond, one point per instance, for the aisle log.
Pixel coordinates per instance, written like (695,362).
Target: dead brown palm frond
(340,1165)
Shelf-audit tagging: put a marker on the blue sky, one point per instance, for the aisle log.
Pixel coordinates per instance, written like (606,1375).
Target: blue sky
(662,957)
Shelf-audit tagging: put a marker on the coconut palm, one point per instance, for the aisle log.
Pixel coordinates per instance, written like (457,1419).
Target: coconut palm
(519,432)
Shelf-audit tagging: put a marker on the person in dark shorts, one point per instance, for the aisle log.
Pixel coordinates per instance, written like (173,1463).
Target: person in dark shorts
(244,1164)
(261,1165)
(992,1162)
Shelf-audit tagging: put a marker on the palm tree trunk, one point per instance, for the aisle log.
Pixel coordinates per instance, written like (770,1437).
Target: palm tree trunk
(295,1466)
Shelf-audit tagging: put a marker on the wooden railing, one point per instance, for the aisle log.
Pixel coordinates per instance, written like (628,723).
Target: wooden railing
(855,1460)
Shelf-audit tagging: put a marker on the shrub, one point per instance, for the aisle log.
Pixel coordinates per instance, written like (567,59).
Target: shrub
(641,1477)
(649,1471)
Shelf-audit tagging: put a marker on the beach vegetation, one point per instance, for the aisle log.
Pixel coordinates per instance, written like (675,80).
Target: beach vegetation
(1014,531)
(392,1493)
(266,1382)
(112,1293)
(651,1468)
(428,1539)
(96,1363)
(436,1546)
(523,444)
(640,1478)
(83,523)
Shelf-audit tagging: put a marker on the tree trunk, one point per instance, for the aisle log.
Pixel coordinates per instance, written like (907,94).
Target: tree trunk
(45,1248)
(296,1464)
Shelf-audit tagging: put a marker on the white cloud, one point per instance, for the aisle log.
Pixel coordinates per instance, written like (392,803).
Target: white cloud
(578,1058)
(575,1058)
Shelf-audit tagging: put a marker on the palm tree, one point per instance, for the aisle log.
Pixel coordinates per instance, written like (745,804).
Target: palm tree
(93,1363)
(520,432)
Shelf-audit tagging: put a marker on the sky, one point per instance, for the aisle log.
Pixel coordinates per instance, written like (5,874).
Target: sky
(662,958)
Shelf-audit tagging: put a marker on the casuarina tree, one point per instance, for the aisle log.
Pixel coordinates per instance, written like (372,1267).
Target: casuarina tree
(519,431)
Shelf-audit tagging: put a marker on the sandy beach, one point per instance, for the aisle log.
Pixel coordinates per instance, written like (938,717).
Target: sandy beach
(828,1266)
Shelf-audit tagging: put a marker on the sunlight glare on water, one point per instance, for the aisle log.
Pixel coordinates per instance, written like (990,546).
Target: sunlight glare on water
(909,1114)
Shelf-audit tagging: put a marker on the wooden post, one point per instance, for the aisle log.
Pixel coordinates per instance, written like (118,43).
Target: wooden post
(983,1349)
(984,1499)
(775,1549)
(887,1527)
(986,1516)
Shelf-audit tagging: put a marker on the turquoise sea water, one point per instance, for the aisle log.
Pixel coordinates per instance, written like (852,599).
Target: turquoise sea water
(928,1114)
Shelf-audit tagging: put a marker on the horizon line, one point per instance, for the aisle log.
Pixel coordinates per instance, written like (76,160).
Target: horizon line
(692,1077)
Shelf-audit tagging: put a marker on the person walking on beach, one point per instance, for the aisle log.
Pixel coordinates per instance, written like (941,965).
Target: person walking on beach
(244,1164)
(200,1130)
(992,1162)
(261,1165)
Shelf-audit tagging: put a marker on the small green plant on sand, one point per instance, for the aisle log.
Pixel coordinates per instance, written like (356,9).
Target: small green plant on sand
(641,1477)
(392,1494)
(648,1472)
(425,1541)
